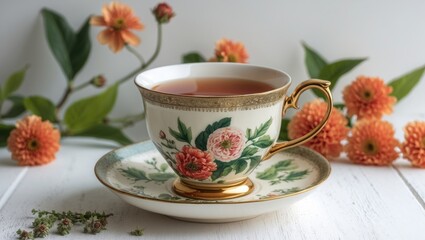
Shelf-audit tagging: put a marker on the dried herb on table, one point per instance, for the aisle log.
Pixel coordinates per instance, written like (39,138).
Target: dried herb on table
(93,222)
(137,232)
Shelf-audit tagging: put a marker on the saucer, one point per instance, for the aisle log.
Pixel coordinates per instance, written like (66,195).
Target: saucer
(140,176)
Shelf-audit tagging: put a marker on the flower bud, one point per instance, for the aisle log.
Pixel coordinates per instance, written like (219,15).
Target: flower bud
(24,235)
(98,81)
(41,231)
(64,227)
(163,13)
(162,134)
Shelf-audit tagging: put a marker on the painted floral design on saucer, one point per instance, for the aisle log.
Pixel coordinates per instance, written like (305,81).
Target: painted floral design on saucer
(140,176)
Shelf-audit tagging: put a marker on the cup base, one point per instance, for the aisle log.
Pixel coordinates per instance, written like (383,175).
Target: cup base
(213,192)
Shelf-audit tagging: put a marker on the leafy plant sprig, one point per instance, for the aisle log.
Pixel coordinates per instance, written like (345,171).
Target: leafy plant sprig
(93,222)
(87,117)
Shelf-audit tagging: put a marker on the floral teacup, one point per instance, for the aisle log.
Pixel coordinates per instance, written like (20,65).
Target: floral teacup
(214,142)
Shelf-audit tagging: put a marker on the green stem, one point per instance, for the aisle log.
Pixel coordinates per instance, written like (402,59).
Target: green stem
(1,106)
(65,96)
(83,85)
(135,53)
(158,46)
(145,65)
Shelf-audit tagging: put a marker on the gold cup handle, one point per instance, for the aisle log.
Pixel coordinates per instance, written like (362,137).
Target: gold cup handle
(291,102)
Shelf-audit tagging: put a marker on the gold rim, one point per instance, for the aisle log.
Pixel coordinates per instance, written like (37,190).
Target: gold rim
(201,101)
(324,176)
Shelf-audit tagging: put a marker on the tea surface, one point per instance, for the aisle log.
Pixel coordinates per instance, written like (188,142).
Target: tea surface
(213,86)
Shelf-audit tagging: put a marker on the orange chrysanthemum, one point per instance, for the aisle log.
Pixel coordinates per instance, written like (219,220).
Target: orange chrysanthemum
(33,142)
(229,51)
(368,97)
(372,142)
(413,147)
(119,19)
(328,141)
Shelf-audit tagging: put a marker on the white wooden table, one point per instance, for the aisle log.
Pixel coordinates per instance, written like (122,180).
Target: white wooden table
(357,202)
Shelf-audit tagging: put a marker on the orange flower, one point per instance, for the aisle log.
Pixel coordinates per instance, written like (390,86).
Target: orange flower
(372,142)
(368,97)
(413,147)
(119,19)
(328,141)
(33,142)
(229,51)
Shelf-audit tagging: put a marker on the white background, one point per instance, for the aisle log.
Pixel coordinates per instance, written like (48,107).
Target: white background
(390,33)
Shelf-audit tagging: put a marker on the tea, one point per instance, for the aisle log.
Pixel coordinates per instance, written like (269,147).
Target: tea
(213,86)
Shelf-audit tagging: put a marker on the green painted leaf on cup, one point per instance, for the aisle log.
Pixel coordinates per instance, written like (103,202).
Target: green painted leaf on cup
(202,139)
(17,107)
(334,71)
(404,84)
(249,151)
(4,133)
(263,142)
(103,131)
(41,106)
(313,61)
(260,131)
(12,84)
(88,112)
(255,160)
(240,165)
(193,57)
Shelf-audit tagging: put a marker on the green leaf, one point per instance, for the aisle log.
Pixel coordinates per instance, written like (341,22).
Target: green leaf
(4,133)
(202,138)
(284,165)
(12,83)
(296,175)
(60,37)
(240,166)
(161,177)
(313,61)
(283,134)
(193,57)
(255,160)
(340,106)
(332,72)
(226,171)
(107,132)
(81,47)
(88,112)
(17,107)
(177,135)
(134,174)
(268,174)
(263,142)
(163,167)
(404,84)
(249,151)
(248,133)
(185,133)
(262,129)
(41,106)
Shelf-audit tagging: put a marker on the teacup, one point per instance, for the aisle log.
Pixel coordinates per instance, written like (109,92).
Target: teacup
(214,142)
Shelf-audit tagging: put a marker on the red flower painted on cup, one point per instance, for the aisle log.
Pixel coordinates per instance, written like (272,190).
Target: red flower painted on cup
(226,144)
(194,163)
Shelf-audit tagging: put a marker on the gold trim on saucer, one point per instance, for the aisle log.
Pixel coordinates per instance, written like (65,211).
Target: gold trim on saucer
(216,192)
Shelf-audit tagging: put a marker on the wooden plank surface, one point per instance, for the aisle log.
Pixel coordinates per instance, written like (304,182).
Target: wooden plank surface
(357,202)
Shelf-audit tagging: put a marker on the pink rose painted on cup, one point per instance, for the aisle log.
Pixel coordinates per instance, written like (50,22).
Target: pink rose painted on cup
(194,163)
(226,144)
